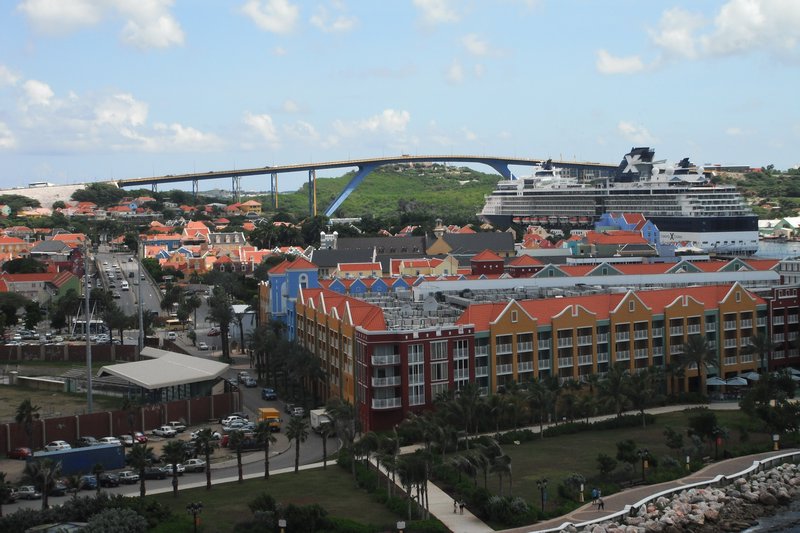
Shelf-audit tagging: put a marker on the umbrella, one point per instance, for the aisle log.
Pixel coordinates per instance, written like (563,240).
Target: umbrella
(715,382)
(793,372)
(752,376)
(736,381)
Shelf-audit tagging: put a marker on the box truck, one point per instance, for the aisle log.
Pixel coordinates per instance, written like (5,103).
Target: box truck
(319,417)
(82,460)
(272,416)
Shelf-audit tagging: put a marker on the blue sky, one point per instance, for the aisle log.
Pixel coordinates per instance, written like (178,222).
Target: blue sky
(102,89)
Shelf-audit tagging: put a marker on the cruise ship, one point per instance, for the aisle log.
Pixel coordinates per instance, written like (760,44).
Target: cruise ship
(679,199)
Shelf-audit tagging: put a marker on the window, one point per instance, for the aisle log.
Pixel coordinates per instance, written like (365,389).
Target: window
(439,371)
(438,350)
(631,306)
(514,316)
(439,388)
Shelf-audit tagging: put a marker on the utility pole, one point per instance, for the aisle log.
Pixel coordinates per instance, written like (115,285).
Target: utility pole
(87,320)
(139,281)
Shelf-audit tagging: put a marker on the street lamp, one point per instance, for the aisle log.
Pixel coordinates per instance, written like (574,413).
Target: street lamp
(194,509)
(282,525)
(644,455)
(542,484)
(401,525)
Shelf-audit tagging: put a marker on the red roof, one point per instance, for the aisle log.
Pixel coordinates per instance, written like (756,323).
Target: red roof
(524,261)
(486,255)
(356,267)
(361,313)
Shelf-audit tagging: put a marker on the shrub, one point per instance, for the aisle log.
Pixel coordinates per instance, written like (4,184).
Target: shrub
(116,521)
(262,502)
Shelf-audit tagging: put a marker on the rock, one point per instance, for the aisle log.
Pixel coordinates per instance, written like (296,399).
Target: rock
(765,498)
(711,515)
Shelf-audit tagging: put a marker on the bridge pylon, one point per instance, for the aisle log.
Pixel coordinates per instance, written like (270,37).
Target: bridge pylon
(312,192)
(236,188)
(273,189)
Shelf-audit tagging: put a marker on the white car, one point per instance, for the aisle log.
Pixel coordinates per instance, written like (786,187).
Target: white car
(56,445)
(195,465)
(172,336)
(202,346)
(165,431)
(109,440)
(181,469)
(227,420)
(215,435)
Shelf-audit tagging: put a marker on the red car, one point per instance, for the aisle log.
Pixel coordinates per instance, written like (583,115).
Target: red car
(140,437)
(213,332)
(19,453)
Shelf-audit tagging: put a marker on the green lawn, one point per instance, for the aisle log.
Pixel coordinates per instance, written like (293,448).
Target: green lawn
(555,458)
(333,489)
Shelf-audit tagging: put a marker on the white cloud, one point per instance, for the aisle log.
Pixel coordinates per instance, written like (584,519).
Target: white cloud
(742,26)
(279,51)
(37,93)
(276,16)
(475,45)
(389,121)
(148,23)
(608,64)
(263,126)
(185,138)
(333,23)
(469,134)
(7,139)
(634,133)
(302,131)
(437,11)
(734,131)
(120,110)
(675,34)
(479,70)
(290,106)
(7,77)
(455,73)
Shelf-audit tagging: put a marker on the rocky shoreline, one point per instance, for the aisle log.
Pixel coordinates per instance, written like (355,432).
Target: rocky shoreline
(735,507)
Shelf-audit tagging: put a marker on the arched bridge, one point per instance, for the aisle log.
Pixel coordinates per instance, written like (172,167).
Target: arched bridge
(363,166)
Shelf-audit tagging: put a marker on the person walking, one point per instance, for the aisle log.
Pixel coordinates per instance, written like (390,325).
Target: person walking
(461,506)
(455,505)
(601,506)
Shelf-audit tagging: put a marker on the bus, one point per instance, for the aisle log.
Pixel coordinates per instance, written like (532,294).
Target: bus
(173,324)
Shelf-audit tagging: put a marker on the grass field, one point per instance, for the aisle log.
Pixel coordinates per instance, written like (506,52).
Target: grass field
(333,489)
(51,403)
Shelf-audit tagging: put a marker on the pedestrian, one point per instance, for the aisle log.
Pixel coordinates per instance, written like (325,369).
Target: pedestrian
(601,504)
(455,505)
(461,506)
(594,496)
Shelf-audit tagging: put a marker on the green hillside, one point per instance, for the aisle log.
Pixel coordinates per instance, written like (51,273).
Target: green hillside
(452,192)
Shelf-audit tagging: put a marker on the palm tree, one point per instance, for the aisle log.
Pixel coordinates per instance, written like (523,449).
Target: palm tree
(265,438)
(42,474)
(642,390)
(27,413)
(172,454)
(235,440)
(697,352)
(611,390)
(140,457)
(761,345)
(501,464)
(539,398)
(204,444)
(325,430)
(5,490)
(220,312)
(297,431)
(98,469)
(344,419)
(73,483)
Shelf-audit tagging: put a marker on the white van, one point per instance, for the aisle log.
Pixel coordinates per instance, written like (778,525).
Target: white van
(125,285)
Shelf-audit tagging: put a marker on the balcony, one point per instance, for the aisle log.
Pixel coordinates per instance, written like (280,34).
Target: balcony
(676,330)
(503,349)
(564,362)
(481,371)
(792,335)
(525,366)
(792,319)
(623,336)
(544,364)
(602,337)
(391,381)
(692,329)
(777,320)
(658,332)
(382,360)
(416,399)
(386,403)
(501,370)
(584,340)
(747,323)
(565,342)
(778,337)
(544,344)
(711,326)
(585,359)
(746,358)
(623,355)
(730,343)
(482,351)
(640,353)
(744,342)
(602,357)
(461,353)
(461,373)
(730,361)
(525,346)
(675,349)
(780,354)
(658,351)
(762,321)
(730,324)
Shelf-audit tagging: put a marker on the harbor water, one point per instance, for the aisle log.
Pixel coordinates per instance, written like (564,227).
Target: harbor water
(778,249)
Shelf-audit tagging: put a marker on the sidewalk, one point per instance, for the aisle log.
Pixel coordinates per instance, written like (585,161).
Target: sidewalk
(620,502)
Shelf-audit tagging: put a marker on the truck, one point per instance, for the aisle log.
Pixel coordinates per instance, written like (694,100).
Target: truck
(272,416)
(82,460)
(319,418)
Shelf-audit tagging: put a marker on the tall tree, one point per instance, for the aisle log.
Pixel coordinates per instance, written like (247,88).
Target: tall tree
(42,474)
(297,431)
(139,458)
(762,346)
(172,454)
(204,444)
(611,390)
(27,414)
(344,419)
(697,353)
(5,491)
(235,441)
(221,313)
(265,438)
(642,390)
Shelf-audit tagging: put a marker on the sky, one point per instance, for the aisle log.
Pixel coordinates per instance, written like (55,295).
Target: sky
(96,90)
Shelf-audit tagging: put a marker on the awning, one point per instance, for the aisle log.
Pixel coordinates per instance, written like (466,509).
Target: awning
(752,376)
(715,382)
(167,369)
(736,381)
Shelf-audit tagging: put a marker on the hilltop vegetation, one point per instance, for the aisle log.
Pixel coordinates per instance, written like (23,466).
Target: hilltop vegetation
(773,193)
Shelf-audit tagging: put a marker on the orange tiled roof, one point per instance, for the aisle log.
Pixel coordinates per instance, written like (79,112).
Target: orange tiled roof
(524,261)
(486,255)
(355,267)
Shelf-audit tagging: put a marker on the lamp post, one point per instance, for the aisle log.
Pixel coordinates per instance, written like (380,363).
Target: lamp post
(194,509)
(282,525)
(644,455)
(87,319)
(776,442)
(542,484)
(401,525)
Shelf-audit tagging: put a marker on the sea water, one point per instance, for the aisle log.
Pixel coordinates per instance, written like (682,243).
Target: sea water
(778,250)
(785,521)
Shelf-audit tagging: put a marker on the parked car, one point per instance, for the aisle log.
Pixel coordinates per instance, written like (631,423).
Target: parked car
(180,427)
(250,382)
(126,440)
(128,477)
(140,437)
(202,346)
(298,412)
(19,453)
(88,483)
(213,332)
(172,336)
(215,435)
(268,394)
(56,445)
(28,492)
(108,479)
(181,469)
(59,488)
(195,465)
(241,414)
(165,431)
(86,441)
(155,472)
(228,419)
(109,440)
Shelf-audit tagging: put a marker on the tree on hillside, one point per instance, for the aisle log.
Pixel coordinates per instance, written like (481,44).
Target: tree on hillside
(26,415)
(102,194)
(25,265)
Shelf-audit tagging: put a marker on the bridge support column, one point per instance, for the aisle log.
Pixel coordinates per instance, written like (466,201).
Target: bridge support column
(273,189)
(195,188)
(236,188)
(312,192)
(155,187)
(363,170)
